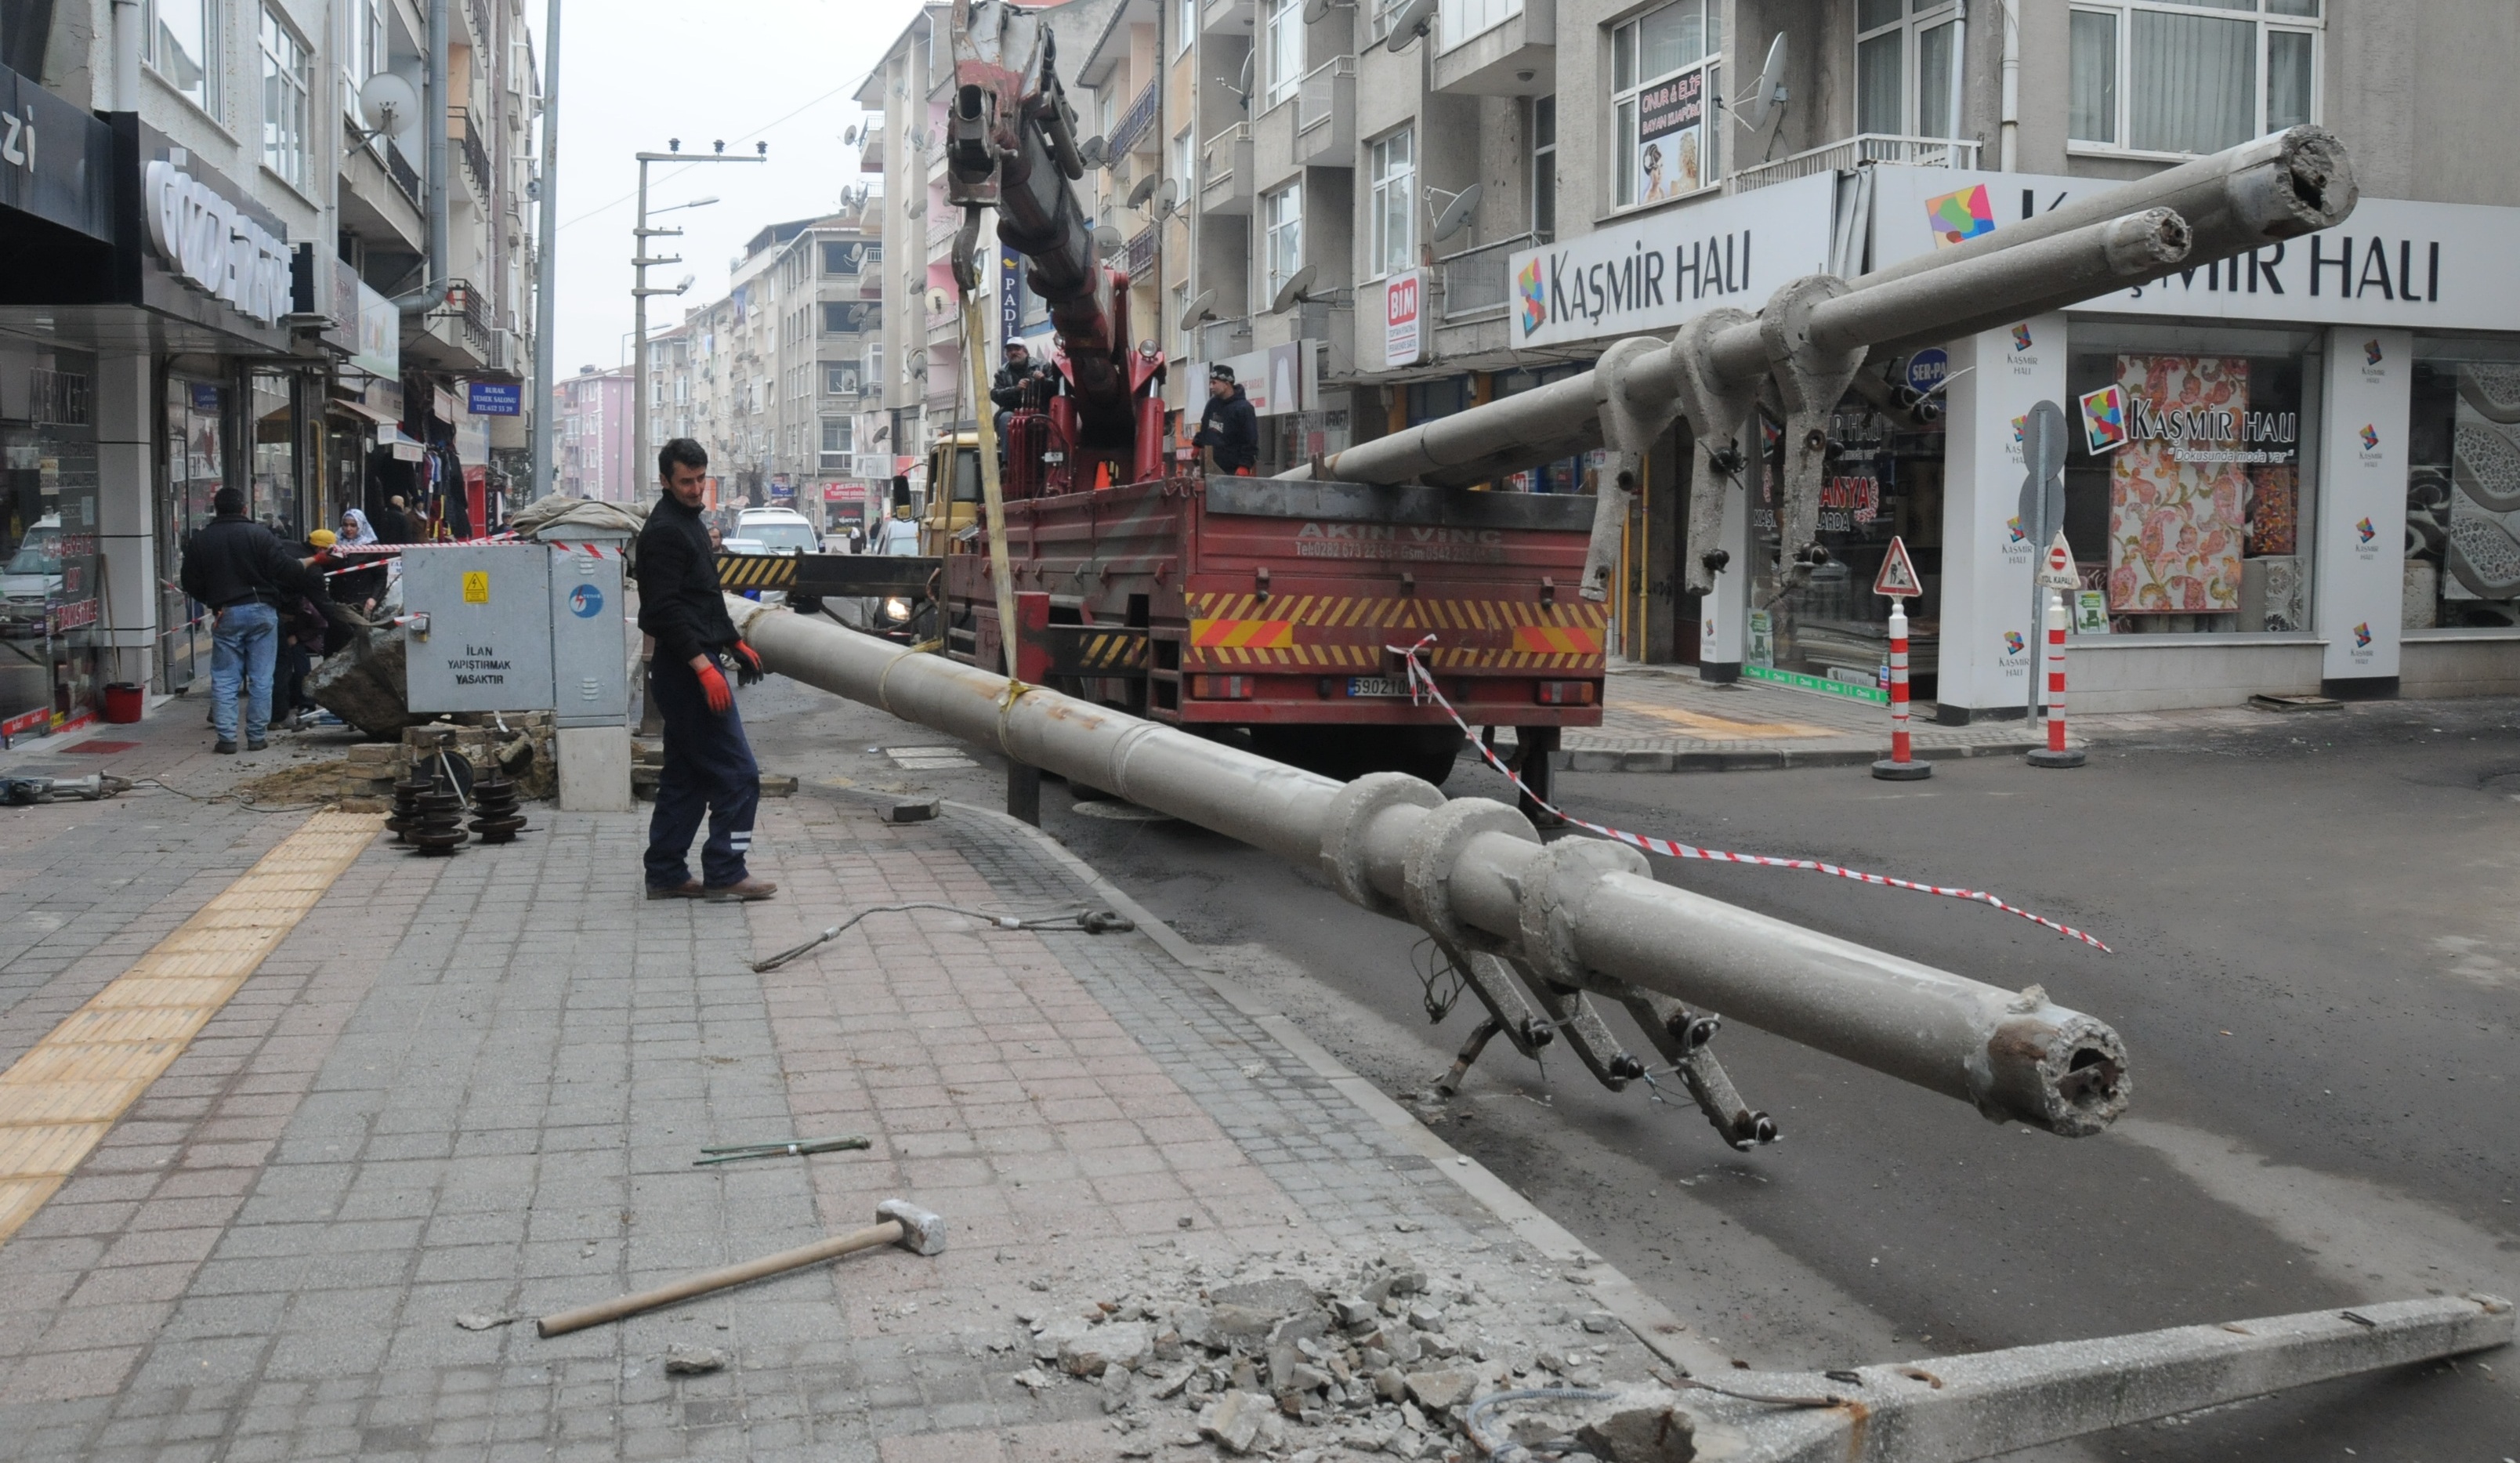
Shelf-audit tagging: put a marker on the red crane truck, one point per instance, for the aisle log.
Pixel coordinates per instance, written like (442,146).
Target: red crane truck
(1255,605)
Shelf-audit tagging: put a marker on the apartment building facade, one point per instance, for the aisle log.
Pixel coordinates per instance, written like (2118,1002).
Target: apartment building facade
(222,274)
(773,378)
(1377,229)
(592,426)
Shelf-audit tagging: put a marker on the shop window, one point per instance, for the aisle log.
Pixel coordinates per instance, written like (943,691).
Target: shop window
(49,567)
(1393,179)
(2463,486)
(1663,73)
(1830,632)
(2189,76)
(1903,66)
(182,47)
(1441,397)
(2185,490)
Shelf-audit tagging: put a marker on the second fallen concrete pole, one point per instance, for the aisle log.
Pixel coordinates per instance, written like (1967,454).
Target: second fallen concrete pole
(1583,915)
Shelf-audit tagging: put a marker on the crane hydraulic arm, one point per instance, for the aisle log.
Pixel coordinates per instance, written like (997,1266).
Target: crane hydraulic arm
(1011,145)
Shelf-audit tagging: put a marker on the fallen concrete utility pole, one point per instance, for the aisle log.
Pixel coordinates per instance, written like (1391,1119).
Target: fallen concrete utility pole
(902,1223)
(1811,337)
(1946,1409)
(1569,918)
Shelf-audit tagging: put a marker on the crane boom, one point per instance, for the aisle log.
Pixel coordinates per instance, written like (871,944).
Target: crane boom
(1010,144)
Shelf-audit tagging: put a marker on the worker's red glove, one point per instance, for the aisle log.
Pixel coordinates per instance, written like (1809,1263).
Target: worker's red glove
(721,696)
(747,663)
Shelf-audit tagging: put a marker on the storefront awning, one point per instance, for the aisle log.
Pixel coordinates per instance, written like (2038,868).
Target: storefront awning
(363,409)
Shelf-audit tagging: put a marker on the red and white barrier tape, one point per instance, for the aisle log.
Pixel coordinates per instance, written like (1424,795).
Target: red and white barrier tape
(1421,686)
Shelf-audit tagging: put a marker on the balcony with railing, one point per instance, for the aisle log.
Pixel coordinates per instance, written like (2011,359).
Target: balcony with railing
(1496,48)
(405,176)
(1136,126)
(477,157)
(1226,167)
(1325,115)
(1220,338)
(1475,282)
(1854,151)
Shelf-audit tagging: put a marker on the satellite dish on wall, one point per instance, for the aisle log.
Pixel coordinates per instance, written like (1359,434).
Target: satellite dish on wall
(1094,153)
(1293,290)
(1199,310)
(1457,212)
(1167,198)
(1107,239)
(389,104)
(1771,91)
(1145,190)
(849,135)
(1313,10)
(1414,19)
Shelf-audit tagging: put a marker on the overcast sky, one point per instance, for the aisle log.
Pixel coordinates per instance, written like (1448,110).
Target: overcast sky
(635,73)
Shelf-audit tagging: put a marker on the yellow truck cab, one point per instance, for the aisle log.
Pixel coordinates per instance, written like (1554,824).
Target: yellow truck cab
(955,460)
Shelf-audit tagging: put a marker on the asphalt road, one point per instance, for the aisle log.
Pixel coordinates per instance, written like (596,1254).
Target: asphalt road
(2316,969)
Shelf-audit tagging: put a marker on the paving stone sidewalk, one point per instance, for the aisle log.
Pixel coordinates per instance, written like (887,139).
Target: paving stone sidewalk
(474,1088)
(1662,718)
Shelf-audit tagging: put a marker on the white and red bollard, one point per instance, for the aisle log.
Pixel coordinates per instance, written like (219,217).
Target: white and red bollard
(2055,753)
(1901,765)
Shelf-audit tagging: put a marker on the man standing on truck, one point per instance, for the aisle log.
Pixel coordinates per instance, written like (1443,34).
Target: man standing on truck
(708,765)
(1229,427)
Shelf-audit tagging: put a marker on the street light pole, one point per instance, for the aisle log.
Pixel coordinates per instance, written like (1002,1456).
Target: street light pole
(545,267)
(639,291)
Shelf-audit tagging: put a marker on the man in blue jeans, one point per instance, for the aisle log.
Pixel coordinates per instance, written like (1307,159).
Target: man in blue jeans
(709,766)
(237,567)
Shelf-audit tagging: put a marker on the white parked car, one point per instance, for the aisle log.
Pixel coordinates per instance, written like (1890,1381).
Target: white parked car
(31,579)
(778,531)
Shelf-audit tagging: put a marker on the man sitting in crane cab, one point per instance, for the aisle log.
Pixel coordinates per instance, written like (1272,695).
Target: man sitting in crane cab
(1229,427)
(1021,383)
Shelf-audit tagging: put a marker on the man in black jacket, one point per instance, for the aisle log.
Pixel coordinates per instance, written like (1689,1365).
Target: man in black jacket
(237,569)
(1228,425)
(708,768)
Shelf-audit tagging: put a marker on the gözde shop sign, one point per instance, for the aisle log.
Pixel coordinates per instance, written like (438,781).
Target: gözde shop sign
(207,239)
(2392,262)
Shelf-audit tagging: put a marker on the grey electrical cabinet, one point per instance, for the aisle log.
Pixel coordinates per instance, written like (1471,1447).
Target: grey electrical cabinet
(479,632)
(590,645)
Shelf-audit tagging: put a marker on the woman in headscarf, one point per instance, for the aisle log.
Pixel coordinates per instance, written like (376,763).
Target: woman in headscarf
(359,588)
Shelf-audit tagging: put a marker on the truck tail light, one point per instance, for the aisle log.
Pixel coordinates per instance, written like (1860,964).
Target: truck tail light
(1563,692)
(1221,687)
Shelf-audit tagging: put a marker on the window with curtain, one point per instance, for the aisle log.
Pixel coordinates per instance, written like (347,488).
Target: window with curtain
(1282,50)
(283,100)
(2191,76)
(1663,77)
(1392,180)
(182,45)
(1903,66)
(1282,218)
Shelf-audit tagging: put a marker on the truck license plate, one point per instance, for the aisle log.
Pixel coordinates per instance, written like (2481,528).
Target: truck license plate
(1376,685)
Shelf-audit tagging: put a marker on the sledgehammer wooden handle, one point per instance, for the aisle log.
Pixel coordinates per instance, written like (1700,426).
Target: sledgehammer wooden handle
(898,1222)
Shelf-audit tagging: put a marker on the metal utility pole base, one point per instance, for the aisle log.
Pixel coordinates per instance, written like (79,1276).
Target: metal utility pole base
(2042,757)
(1890,771)
(1023,792)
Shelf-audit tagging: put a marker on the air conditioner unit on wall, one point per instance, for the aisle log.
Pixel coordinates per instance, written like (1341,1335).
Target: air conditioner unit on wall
(502,350)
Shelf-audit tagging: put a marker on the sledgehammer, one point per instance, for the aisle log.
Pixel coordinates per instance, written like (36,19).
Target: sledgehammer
(902,1223)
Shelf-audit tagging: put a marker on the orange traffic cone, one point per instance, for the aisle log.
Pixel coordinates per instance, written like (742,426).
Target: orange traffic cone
(1103,474)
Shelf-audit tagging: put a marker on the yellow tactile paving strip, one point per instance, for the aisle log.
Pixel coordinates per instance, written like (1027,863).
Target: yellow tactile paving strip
(1724,726)
(62,1098)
